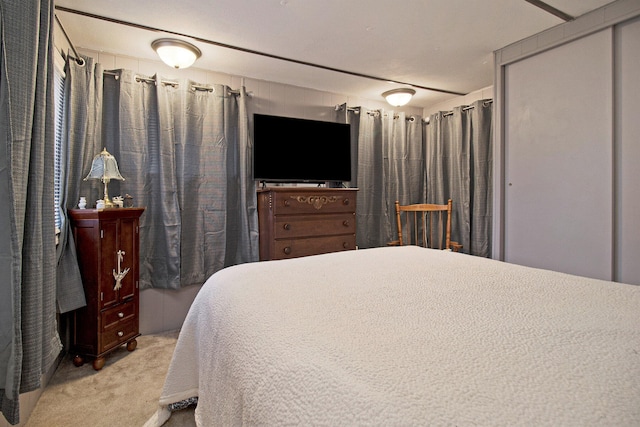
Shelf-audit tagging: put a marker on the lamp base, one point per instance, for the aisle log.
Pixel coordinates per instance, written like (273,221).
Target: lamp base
(107,201)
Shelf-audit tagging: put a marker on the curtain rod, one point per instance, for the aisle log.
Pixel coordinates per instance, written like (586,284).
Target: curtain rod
(250,51)
(340,107)
(172,83)
(376,113)
(78,58)
(468,107)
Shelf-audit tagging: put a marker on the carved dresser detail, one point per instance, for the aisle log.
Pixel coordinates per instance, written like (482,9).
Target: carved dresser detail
(301,221)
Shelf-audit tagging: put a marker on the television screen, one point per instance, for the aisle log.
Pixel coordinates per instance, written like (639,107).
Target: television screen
(287,149)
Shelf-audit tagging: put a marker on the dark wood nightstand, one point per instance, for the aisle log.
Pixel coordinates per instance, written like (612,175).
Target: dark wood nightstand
(107,245)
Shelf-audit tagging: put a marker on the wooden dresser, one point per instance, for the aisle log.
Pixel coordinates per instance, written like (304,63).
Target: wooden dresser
(301,221)
(106,244)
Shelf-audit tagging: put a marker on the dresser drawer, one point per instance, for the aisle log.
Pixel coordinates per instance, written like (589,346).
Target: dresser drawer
(313,202)
(121,313)
(287,227)
(118,334)
(293,248)
(302,221)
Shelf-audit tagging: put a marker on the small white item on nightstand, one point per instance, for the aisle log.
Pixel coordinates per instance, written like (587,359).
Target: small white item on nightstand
(82,203)
(118,201)
(100,204)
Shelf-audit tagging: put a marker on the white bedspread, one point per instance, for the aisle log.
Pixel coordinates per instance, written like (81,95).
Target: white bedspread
(407,336)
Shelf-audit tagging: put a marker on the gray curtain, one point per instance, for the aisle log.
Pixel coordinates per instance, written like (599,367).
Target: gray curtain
(459,164)
(185,156)
(405,163)
(217,192)
(390,167)
(29,341)
(83,117)
(371,207)
(139,130)
(351,115)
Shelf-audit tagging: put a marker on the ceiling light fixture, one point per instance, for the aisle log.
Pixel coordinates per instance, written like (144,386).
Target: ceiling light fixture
(399,97)
(176,53)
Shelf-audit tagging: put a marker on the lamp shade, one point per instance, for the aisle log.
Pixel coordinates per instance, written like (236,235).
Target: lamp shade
(176,53)
(399,97)
(104,166)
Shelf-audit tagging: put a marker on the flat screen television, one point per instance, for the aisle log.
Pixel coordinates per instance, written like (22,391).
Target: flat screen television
(287,149)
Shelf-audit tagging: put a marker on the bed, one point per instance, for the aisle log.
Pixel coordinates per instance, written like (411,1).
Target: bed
(407,336)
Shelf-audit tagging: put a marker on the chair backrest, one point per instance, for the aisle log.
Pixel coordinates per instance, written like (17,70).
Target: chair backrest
(424,224)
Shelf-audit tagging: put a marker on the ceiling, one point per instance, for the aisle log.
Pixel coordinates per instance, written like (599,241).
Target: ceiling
(375,45)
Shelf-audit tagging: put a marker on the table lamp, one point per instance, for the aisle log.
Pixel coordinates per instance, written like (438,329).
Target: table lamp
(105,168)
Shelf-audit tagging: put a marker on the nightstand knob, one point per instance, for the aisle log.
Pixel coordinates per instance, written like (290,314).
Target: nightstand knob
(287,203)
(287,250)
(121,315)
(286,226)
(345,245)
(345,201)
(345,222)
(120,334)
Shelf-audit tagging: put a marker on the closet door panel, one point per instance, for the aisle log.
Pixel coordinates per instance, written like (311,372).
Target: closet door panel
(628,147)
(558,158)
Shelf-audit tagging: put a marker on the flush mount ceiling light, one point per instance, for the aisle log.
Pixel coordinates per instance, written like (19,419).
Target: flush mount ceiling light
(176,53)
(399,97)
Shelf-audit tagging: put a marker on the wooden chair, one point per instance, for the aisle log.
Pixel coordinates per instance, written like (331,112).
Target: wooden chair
(425,225)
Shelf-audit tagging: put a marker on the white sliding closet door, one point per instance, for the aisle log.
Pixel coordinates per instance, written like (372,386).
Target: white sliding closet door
(559,158)
(628,147)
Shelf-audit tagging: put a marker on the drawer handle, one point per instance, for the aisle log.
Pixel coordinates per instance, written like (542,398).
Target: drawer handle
(345,201)
(345,245)
(120,334)
(287,250)
(287,203)
(121,315)
(286,226)
(345,222)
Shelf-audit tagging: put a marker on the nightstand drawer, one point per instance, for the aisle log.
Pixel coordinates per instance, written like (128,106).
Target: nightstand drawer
(287,227)
(115,315)
(118,334)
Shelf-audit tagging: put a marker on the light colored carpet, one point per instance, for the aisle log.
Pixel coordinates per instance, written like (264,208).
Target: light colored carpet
(124,393)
